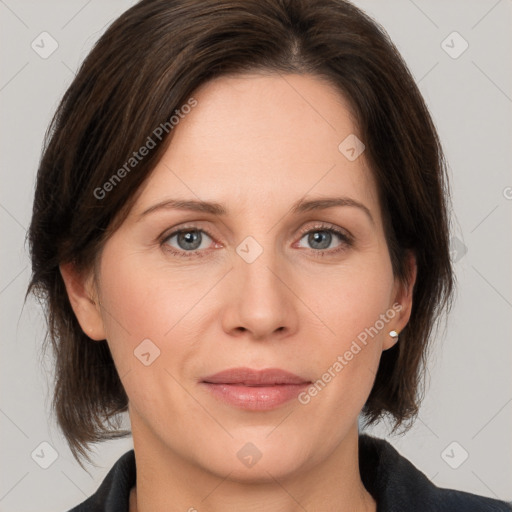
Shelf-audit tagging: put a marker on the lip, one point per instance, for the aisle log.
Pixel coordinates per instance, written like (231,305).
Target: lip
(255,390)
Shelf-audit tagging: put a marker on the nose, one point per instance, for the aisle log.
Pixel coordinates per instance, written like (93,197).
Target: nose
(261,304)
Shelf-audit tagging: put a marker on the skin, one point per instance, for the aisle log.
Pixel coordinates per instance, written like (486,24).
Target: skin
(255,143)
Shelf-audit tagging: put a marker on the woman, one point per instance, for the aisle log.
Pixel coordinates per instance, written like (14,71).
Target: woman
(240,229)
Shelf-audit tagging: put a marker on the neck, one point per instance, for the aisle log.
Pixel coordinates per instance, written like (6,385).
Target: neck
(168,482)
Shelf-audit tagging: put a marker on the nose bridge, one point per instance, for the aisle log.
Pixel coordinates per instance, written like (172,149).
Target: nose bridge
(262,303)
(258,265)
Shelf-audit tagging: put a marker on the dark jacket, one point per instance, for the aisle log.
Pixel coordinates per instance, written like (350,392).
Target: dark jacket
(392,480)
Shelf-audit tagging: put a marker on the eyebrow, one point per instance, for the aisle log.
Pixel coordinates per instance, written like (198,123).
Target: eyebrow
(214,208)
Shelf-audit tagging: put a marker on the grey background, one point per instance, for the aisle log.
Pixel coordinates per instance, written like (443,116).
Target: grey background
(469,397)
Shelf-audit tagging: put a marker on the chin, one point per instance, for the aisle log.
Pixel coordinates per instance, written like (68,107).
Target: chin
(254,459)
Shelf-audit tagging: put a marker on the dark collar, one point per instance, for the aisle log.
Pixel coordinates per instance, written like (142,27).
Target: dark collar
(391,479)
(398,486)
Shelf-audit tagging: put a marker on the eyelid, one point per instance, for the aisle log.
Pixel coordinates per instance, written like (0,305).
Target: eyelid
(321,225)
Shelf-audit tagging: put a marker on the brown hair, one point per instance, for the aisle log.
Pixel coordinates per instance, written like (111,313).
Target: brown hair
(144,68)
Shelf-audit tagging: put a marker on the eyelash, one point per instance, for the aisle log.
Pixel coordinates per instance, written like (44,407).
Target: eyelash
(346,240)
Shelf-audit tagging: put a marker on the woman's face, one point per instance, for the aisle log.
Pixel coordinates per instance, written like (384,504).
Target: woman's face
(266,284)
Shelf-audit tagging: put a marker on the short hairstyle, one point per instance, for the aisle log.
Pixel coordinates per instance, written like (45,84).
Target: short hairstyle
(141,71)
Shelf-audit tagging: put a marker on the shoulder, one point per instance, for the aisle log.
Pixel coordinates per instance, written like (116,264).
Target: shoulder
(114,492)
(397,485)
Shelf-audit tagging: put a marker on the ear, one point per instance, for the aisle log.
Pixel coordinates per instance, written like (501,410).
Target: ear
(402,300)
(83,298)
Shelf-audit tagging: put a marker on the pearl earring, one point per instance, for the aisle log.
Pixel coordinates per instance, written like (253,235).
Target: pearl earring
(394,334)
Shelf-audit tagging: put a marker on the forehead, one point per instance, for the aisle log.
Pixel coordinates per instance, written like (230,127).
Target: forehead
(258,139)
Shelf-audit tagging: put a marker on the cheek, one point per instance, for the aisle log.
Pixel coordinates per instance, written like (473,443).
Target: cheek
(146,302)
(355,308)
(352,298)
(129,312)
(144,315)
